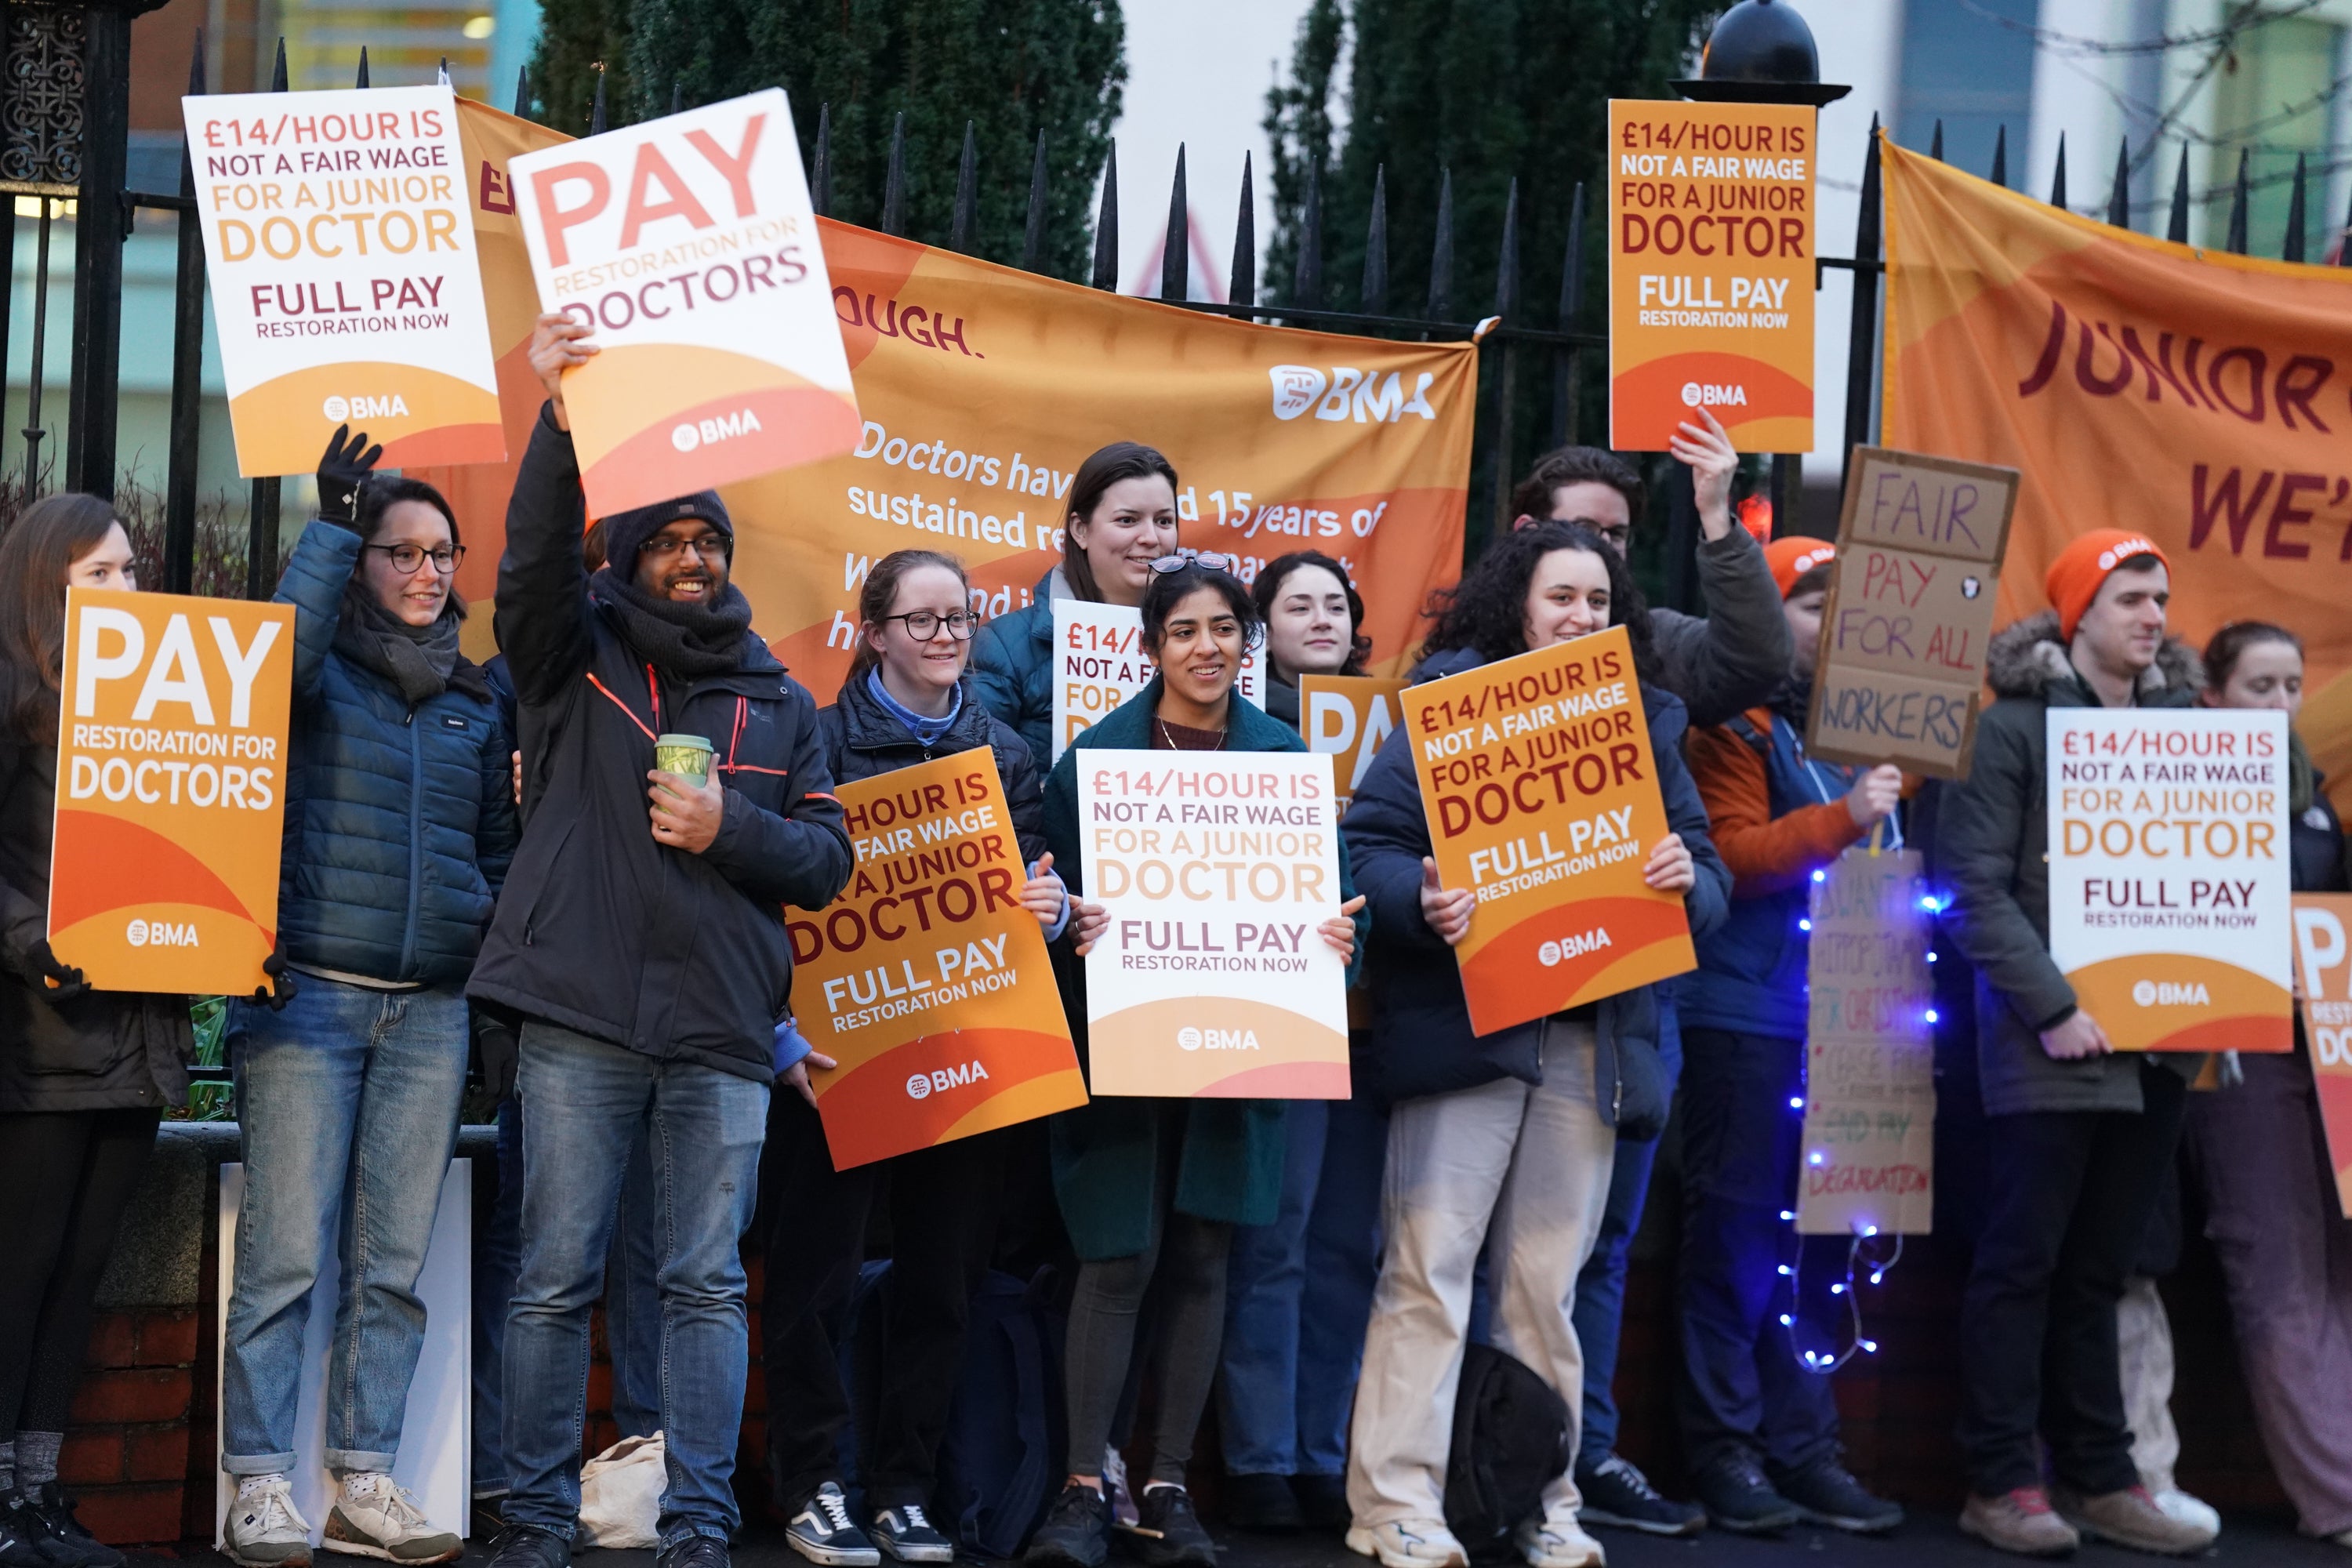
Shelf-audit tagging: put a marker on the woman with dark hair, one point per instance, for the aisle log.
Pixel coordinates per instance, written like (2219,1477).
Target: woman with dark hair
(907,700)
(85,1075)
(1122,517)
(1505,1138)
(2261,1150)
(1152,1189)
(400,820)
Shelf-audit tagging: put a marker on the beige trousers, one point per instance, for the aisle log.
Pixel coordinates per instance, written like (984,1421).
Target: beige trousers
(2143,1357)
(1528,1165)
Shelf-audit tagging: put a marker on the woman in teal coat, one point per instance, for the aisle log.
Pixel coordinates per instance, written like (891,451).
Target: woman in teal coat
(1158,1184)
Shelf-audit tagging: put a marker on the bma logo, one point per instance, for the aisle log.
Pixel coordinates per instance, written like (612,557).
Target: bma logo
(1554,953)
(1706,394)
(339,409)
(1347,394)
(703,432)
(161,933)
(1191,1039)
(923,1085)
(2170,994)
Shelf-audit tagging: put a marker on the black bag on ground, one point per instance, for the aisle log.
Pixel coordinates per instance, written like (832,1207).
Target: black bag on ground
(1510,1441)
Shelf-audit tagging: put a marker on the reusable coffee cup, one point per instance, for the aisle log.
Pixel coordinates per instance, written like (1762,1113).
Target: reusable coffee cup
(688,756)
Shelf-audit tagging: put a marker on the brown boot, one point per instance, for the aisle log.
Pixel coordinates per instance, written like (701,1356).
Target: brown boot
(2130,1518)
(2022,1522)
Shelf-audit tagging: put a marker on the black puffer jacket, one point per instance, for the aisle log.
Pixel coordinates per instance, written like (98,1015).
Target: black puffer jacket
(105,1050)
(863,739)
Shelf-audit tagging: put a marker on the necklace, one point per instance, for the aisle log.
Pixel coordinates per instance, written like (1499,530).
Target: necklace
(1171,739)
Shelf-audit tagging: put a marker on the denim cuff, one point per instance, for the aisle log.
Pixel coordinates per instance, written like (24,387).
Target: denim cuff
(257,1463)
(341,1460)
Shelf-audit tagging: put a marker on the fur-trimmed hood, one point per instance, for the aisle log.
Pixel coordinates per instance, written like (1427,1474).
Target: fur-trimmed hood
(2028,658)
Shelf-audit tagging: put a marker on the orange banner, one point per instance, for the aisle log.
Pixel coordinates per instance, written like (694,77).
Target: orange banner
(2196,396)
(2324,961)
(171,790)
(1542,796)
(926,979)
(1348,715)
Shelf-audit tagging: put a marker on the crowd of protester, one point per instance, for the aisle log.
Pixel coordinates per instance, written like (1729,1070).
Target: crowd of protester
(485,870)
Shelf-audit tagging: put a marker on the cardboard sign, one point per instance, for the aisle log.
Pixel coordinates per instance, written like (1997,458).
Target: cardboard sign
(687,243)
(1212,979)
(1711,272)
(171,790)
(2324,960)
(1348,717)
(1870,1063)
(1910,611)
(2170,881)
(1542,796)
(926,979)
(344,275)
(1100,663)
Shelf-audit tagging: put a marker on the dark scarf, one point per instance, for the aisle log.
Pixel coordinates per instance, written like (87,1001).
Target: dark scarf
(422,662)
(685,642)
(1794,701)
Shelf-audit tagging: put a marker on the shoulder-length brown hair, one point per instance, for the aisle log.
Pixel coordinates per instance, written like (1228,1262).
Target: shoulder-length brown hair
(1107,466)
(53,534)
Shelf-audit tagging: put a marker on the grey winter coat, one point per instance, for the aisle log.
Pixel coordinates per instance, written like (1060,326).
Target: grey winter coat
(1992,852)
(1732,659)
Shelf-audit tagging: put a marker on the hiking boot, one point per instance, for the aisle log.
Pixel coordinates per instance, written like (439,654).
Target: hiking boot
(1167,1532)
(1263,1503)
(2022,1522)
(1408,1543)
(1322,1501)
(265,1529)
(1617,1493)
(372,1517)
(520,1546)
(1557,1541)
(2131,1517)
(694,1551)
(1738,1499)
(55,1508)
(1824,1493)
(905,1533)
(821,1532)
(1076,1529)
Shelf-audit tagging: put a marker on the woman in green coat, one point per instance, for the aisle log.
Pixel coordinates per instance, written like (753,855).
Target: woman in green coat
(1148,1184)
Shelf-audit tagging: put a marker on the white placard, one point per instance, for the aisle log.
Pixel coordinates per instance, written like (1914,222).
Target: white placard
(1100,663)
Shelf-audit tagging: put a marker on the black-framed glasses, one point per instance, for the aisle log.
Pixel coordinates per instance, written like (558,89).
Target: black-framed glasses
(708,546)
(924,625)
(407,558)
(1212,559)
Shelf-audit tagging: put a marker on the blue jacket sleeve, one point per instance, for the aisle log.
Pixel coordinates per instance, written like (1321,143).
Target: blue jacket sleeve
(315,577)
(542,598)
(1386,835)
(800,857)
(995,674)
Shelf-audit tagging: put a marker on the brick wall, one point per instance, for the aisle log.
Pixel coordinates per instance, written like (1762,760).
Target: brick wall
(128,1455)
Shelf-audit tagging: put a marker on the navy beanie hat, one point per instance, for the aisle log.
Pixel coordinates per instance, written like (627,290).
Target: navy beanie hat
(626,533)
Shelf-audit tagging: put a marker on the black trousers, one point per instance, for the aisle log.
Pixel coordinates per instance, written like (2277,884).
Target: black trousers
(2068,1199)
(942,1212)
(69,1175)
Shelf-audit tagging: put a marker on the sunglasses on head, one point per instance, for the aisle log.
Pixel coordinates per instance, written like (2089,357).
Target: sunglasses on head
(1210,560)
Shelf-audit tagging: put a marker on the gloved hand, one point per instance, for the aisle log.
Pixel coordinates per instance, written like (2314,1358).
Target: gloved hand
(496,1055)
(281,989)
(56,982)
(342,469)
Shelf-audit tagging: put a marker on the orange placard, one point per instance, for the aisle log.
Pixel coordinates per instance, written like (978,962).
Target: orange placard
(1711,272)
(171,790)
(1542,796)
(1348,717)
(2324,961)
(926,979)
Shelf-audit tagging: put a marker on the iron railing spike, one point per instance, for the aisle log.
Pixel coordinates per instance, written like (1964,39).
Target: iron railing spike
(1440,250)
(1374,299)
(2000,157)
(2119,198)
(1507,269)
(1175,250)
(964,227)
(1306,273)
(2297,218)
(1033,234)
(1106,268)
(2176,225)
(821,178)
(893,180)
(2058,176)
(2239,200)
(1244,277)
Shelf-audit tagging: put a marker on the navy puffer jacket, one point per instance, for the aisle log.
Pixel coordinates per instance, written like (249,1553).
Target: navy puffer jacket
(399,821)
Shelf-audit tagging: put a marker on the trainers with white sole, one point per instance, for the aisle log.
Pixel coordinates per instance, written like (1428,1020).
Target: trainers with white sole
(1558,1542)
(1408,1543)
(264,1530)
(372,1516)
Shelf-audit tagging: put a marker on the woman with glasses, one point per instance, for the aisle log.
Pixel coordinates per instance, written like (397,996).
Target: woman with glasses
(399,819)
(906,701)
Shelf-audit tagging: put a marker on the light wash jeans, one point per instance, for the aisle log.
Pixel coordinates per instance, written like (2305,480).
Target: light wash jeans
(347,1104)
(586,1101)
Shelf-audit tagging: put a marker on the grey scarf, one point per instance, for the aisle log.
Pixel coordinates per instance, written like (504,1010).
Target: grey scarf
(421,661)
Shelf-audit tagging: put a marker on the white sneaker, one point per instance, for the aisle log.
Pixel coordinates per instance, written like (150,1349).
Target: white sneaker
(1408,1543)
(372,1517)
(1558,1542)
(2181,1508)
(265,1529)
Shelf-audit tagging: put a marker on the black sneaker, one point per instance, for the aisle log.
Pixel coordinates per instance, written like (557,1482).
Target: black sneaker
(1738,1499)
(520,1546)
(1322,1501)
(27,1540)
(821,1532)
(1076,1530)
(694,1551)
(905,1533)
(1168,1534)
(1263,1503)
(51,1502)
(1825,1494)
(1617,1493)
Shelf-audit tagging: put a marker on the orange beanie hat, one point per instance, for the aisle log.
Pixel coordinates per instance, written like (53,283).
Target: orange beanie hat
(2074,577)
(1791,559)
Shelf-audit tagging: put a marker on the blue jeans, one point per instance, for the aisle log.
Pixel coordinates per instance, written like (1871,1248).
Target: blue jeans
(1299,1292)
(348,1105)
(588,1100)
(498,1254)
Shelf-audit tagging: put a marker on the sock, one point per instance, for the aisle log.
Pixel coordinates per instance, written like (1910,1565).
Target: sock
(37,1458)
(8,1465)
(360,1484)
(251,1484)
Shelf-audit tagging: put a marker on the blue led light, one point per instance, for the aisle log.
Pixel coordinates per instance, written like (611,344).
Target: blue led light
(1787,1214)
(1871,1346)
(1804,925)
(1796,1102)
(1838,1288)
(1815,1158)
(1821,876)
(1933,1015)
(1786,1270)
(1931,955)
(1787,1321)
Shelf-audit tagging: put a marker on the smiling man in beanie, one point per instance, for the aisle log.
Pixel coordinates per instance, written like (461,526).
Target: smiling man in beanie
(641,936)
(2082,1136)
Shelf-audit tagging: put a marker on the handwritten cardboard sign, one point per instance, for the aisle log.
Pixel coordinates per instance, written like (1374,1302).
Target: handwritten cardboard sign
(171,801)
(1909,611)
(927,979)
(1100,663)
(1348,715)
(1210,979)
(1542,796)
(1870,1072)
(2324,959)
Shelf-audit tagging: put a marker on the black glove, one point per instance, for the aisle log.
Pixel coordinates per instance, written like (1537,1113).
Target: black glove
(496,1055)
(281,989)
(56,982)
(342,470)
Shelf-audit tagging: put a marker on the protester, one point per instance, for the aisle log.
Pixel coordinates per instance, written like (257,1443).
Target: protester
(642,940)
(906,701)
(2260,1153)
(1759,1427)
(85,1075)
(400,821)
(1502,1136)
(1122,517)
(2082,1135)
(1151,1188)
